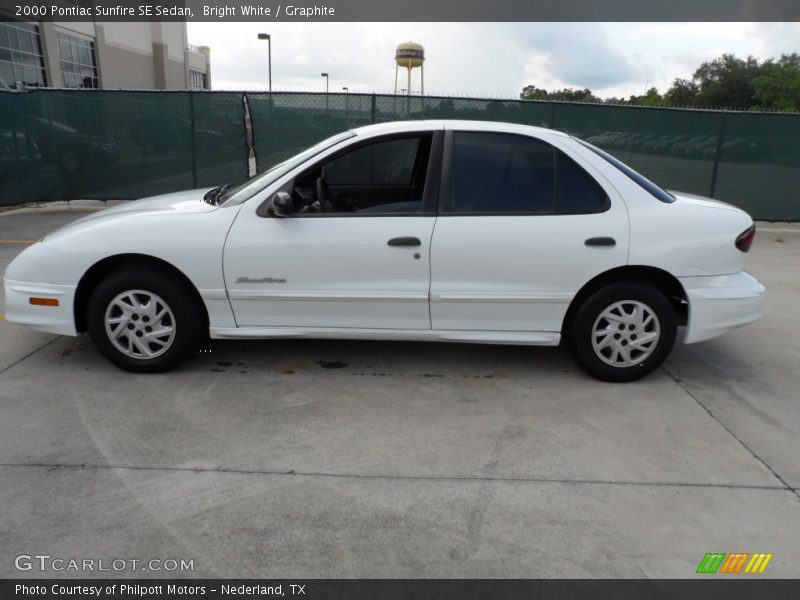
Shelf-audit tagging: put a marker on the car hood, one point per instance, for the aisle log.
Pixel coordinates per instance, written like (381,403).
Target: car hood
(188,202)
(694,199)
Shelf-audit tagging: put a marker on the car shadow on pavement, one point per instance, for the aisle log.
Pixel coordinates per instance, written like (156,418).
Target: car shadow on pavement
(380,358)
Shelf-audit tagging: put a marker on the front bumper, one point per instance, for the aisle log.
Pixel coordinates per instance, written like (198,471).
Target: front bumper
(52,319)
(720,303)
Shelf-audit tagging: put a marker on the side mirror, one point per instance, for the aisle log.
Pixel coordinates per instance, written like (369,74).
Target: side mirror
(280,205)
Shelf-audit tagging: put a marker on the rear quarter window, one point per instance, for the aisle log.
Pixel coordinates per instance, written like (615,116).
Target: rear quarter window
(578,192)
(654,190)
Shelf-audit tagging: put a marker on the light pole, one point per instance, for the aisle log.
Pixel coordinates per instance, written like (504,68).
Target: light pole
(327,81)
(266,36)
(347,104)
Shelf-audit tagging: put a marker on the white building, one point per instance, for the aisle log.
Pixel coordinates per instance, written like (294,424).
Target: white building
(107,55)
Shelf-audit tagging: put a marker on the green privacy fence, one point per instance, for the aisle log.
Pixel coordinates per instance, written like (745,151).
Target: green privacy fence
(72,144)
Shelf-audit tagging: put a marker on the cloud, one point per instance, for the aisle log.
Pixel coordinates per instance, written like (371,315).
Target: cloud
(776,38)
(481,59)
(580,54)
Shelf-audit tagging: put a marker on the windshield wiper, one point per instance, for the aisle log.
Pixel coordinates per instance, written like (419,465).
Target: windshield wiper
(212,196)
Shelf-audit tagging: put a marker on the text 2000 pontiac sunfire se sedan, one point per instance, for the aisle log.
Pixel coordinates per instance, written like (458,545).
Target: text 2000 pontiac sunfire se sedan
(430,230)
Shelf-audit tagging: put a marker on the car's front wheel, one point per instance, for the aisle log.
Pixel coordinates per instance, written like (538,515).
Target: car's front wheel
(622,332)
(143,321)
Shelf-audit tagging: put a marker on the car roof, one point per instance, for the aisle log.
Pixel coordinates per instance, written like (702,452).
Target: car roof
(427,125)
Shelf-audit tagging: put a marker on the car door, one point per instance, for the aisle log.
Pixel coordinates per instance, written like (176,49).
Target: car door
(522,227)
(353,267)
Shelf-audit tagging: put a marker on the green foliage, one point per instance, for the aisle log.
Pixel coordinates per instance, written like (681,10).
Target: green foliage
(650,98)
(725,82)
(531,92)
(779,87)
(728,81)
(684,92)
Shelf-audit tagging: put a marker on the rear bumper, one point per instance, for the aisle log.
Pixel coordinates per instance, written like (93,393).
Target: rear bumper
(52,319)
(720,303)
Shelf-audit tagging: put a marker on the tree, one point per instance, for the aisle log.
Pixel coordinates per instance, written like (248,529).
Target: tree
(728,81)
(531,92)
(684,92)
(650,98)
(779,87)
(725,82)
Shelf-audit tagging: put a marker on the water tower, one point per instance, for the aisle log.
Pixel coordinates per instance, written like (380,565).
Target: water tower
(410,56)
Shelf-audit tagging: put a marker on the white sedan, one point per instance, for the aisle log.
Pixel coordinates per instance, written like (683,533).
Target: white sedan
(428,230)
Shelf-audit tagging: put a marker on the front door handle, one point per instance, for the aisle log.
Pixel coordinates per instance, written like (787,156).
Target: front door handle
(601,241)
(404,241)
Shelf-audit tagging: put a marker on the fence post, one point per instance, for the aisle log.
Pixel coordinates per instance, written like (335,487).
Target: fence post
(194,140)
(373,108)
(716,156)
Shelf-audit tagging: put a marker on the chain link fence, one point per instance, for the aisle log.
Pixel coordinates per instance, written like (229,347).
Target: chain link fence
(103,145)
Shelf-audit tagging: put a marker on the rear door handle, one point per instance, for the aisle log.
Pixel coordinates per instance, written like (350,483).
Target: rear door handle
(601,241)
(404,241)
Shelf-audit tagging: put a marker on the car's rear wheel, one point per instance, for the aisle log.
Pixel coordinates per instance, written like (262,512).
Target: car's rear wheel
(622,331)
(143,321)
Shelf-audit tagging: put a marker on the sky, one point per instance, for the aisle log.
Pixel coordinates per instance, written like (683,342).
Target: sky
(481,59)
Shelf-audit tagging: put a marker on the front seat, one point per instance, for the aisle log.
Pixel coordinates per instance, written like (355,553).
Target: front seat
(324,195)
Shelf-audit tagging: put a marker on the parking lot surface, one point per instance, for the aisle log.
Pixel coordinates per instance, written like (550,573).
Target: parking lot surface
(372,459)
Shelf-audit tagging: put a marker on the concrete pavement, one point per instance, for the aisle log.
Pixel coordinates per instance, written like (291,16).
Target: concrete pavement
(369,459)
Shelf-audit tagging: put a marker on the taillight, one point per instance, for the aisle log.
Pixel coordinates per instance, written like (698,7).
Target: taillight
(745,239)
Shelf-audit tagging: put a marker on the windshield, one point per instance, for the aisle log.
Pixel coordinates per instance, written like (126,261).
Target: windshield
(657,192)
(252,186)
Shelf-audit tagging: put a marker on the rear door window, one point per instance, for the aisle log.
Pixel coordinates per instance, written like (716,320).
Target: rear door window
(502,173)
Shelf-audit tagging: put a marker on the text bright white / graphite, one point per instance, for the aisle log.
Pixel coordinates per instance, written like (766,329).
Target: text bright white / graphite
(252,10)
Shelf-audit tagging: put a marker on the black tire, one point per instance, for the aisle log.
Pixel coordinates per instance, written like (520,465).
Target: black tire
(579,332)
(185,317)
